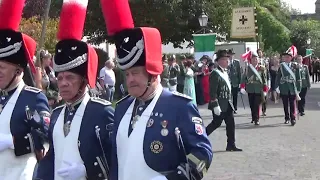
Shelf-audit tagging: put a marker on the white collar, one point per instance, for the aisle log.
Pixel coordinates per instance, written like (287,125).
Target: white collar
(223,69)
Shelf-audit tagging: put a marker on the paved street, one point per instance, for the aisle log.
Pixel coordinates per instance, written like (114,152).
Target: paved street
(273,150)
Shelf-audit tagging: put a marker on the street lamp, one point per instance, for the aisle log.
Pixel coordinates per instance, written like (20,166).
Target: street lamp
(309,41)
(203,19)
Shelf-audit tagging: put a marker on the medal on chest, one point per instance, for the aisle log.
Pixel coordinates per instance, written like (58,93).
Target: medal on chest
(134,121)
(66,128)
(164,130)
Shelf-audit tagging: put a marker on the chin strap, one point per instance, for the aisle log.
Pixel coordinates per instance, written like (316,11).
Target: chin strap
(148,85)
(80,92)
(11,81)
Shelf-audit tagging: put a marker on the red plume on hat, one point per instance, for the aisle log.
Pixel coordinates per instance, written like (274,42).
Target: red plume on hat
(140,46)
(248,56)
(71,53)
(117,15)
(19,48)
(72,18)
(10,14)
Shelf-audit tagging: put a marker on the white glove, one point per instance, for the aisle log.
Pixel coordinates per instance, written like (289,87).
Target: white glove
(6,142)
(265,93)
(217,110)
(278,90)
(75,171)
(298,97)
(243,91)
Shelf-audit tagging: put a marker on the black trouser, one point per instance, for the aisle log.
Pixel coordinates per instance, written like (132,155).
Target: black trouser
(315,76)
(235,91)
(254,102)
(230,125)
(302,102)
(289,100)
(264,105)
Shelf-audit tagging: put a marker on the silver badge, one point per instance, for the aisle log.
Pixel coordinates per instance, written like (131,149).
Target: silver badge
(150,122)
(164,132)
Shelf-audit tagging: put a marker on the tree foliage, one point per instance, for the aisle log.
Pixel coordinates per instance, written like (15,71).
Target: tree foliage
(177,20)
(302,31)
(273,34)
(34,8)
(32,27)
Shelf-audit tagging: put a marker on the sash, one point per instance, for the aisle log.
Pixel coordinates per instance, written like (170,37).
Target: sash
(289,70)
(254,70)
(225,77)
(11,166)
(292,75)
(67,148)
(131,162)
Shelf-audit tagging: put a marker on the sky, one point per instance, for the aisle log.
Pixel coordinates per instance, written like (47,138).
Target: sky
(305,6)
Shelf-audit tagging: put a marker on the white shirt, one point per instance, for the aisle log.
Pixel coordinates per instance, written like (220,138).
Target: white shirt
(108,76)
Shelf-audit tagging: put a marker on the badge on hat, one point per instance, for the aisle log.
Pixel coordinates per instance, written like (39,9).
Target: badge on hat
(156,147)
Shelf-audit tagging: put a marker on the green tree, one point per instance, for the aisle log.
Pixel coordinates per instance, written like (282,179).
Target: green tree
(32,27)
(301,31)
(34,8)
(273,34)
(177,20)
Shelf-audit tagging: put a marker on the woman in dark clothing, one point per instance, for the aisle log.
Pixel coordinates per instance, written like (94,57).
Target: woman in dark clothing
(274,67)
(197,68)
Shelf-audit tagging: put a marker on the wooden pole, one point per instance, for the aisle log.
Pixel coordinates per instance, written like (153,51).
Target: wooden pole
(43,33)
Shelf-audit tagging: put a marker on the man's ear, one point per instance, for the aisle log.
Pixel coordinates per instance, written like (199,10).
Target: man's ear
(19,71)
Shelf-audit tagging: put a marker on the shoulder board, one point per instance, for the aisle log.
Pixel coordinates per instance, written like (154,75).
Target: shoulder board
(181,95)
(100,101)
(58,107)
(32,89)
(124,98)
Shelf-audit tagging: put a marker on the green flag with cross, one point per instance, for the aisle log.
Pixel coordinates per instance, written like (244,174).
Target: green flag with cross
(204,44)
(309,52)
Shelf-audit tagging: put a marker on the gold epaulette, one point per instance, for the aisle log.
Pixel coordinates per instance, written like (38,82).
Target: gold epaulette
(100,101)
(181,95)
(124,98)
(32,89)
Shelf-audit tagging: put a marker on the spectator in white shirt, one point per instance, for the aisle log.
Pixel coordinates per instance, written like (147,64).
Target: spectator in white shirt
(108,80)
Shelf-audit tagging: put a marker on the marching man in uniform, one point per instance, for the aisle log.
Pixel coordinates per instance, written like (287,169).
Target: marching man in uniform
(264,62)
(235,78)
(158,134)
(221,103)
(254,82)
(306,84)
(170,75)
(288,84)
(79,132)
(23,109)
